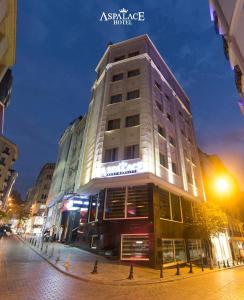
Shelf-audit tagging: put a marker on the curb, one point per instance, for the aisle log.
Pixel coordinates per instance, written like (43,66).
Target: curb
(131,283)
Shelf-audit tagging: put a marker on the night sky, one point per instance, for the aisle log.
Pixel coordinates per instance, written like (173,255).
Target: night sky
(59,44)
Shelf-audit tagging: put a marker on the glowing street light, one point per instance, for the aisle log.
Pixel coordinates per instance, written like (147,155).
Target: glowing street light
(222,185)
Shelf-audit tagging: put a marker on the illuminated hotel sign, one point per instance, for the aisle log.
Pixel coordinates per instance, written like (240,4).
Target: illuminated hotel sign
(123,168)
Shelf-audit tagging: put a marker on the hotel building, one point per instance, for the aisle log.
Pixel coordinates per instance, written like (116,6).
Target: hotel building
(140,169)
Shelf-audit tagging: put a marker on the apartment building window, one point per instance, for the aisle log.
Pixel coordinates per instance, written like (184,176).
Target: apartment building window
(133,95)
(161,131)
(131,121)
(186,210)
(172,140)
(118,77)
(169,117)
(135,53)
(111,154)
(49,176)
(133,73)
(126,202)
(173,250)
(158,85)
(113,124)
(170,206)
(189,177)
(131,152)
(174,168)
(167,97)
(180,113)
(118,58)
(134,247)
(116,98)
(160,106)
(163,160)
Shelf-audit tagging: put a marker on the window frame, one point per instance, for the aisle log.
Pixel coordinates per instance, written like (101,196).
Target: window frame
(115,96)
(138,72)
(104,157)
(125,151)
(132,116)
(118,74)
(133,91)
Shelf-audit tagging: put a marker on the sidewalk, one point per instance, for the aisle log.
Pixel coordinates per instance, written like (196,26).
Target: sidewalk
(79,264)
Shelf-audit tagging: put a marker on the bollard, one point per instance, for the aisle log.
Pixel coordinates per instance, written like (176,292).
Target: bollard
(52,252)
(58,257)
(227,263)
(219,264)
(190,271)
(41,246)
(177,269)
(67,263)
(30,240)
(46,250)
(224,265)
(35,243)
(94,271)
(161,271)
(131,274)
(202,264)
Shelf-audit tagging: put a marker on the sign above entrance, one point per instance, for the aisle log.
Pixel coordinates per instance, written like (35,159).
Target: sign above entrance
(123,168)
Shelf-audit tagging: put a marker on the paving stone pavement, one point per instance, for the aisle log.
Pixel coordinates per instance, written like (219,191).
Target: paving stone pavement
(24,275)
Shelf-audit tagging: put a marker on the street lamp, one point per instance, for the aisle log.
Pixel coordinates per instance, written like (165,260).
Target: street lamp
(222,185)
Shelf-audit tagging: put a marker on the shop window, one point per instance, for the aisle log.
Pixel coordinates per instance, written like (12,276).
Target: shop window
(131,152)
(195,249)
(134,247)
(113,124)
(116,98)
(137,201)
(164,204)
(133,73)
(111,155)
(133,95)
(163,160)
(93,208)
(173,251)
(118,77)
(115,203)
(131,121)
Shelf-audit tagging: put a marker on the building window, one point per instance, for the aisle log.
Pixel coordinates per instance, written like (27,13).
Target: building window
(183,132)
(111,154)
(164,204)
(158,85)
(167,97)
(180,113)
(49,177)
(93,208)
(131,121)
(163,160)
(174,168)
(195,249)
(172,140)
(133,95)
(186,210)
(160,106)
(115,203)
(126,202)
(189,177)
(175,208)
(133,73)
(134,247)
(137,201)
(113,124)
(116,98)
(161,131)
(169,117)
(131,152)
(173,251)
(94,241)
(118,58)
(135,53)
(118,77)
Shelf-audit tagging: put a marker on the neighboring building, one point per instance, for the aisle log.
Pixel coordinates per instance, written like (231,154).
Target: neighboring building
(229,245)
(8,150)
(37,196)
(8,14)
(228,18)
(8,155)
(64,177)
(140,170)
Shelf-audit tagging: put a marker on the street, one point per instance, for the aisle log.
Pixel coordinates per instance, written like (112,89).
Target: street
(26,276)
